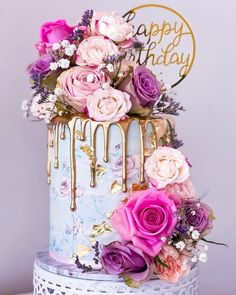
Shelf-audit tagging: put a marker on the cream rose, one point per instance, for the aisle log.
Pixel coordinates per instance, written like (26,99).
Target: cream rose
(112,26)
(166,166)
(78,83)
(94,50)
(108,105)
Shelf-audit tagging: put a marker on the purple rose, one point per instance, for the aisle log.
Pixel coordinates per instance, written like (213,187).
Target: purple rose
(126,259)
(143,87)
(42,65)
(199,216)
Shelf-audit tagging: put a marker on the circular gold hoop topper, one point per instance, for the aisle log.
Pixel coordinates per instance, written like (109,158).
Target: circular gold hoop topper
(169,43)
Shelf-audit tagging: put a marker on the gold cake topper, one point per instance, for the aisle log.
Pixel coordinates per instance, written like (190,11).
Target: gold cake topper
(169,45)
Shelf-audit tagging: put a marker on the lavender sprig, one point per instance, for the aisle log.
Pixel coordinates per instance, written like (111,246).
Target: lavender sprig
(96,258)
(83,267)
(138,45)
(86,18)
(38,88)
(167,105)
(174,141)
(77,34)
(113,59)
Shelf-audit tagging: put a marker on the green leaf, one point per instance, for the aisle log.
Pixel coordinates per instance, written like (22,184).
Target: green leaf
(130,282)
(215,243)
(158,260)
(51,80)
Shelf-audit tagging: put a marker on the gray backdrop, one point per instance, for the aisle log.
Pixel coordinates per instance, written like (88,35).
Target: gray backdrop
(208,130)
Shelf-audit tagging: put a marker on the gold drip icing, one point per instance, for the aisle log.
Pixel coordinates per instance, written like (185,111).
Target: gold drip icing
(142,149)
(71,125)
(124,128)
(56,162)
(50,139)
(50,144)
(106,141)
(84,122)
(63,131)
(93,129)
(157,127)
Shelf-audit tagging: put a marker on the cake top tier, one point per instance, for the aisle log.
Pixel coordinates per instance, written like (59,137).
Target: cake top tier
(85,69)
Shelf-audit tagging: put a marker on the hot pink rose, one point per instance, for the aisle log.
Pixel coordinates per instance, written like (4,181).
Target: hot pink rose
(78,83)
(94,50)
(179,265)
(108,105)
(147,219)
(112,26)
(166,166)
(184,190)
(52,32)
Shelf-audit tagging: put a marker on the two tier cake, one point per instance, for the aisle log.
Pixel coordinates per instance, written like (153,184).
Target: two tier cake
(124,215)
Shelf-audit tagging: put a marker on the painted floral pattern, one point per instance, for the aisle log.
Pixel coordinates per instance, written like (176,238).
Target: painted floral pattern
(94,205)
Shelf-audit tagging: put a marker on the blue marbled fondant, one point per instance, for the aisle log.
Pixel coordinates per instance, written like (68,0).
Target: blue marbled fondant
(70,229)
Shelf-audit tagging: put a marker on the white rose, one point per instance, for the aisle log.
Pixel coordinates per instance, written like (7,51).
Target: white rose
(166,166)
(94,50)
(112,26)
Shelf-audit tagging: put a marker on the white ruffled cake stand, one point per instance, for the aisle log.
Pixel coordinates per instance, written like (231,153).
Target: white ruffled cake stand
(54,278)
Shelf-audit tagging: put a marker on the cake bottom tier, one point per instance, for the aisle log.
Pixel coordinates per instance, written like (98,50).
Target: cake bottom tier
(51,277)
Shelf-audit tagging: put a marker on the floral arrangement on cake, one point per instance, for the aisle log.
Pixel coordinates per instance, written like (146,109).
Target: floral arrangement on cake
(161,228)
(84,69)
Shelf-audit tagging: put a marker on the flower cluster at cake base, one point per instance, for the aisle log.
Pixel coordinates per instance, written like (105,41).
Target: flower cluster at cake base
(85,69)
(162,227)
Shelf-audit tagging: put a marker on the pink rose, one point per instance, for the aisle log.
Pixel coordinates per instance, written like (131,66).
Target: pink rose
(108,105)
(94,50)
(112,26)
(166,166)
(147,219)
(78,83)
(184,190)
(179,265)
(52,32)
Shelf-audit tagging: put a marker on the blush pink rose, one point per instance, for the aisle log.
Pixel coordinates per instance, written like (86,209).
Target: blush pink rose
(94,50)
(108,105)
(147,219)
(112,26)
(78,83)
(184,190)
(179,265)
(166,166)
(52,32)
